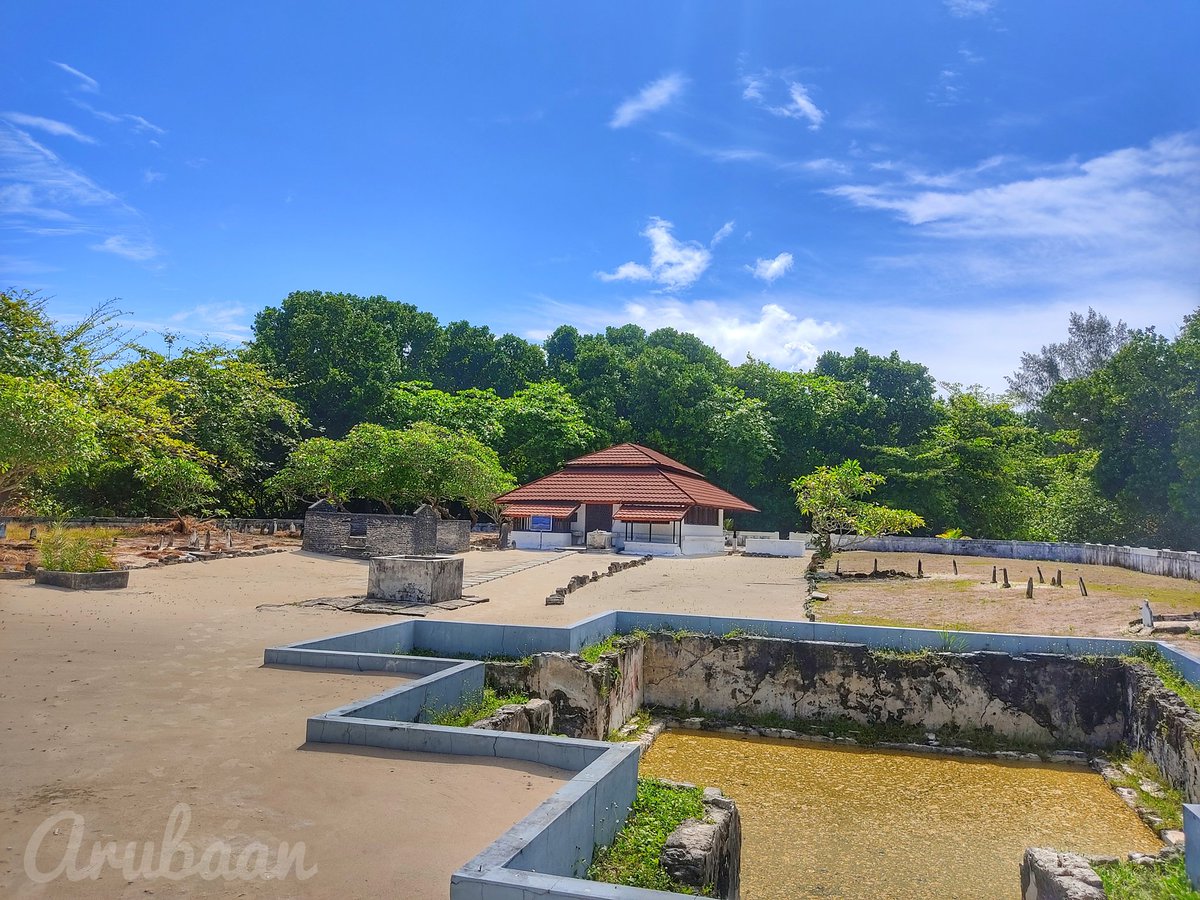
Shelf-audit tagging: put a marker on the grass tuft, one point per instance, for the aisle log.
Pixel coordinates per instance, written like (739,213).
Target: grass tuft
(1171,677)
(1169,807)
(633,859)
(77,549)
(474,707)
(1134,881)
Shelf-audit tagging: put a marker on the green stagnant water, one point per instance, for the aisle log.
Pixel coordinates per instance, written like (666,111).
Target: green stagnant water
(823,820)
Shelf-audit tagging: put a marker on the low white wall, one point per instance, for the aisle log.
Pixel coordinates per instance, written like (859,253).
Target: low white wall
(645,548)
(743,536)
(699,545)
(766,547)
(539,540)
(1172,563)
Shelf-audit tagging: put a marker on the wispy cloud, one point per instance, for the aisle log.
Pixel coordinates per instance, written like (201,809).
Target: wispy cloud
(796,104)
(150,176)
(223,321)
(966,9)
(136,249)
(139,124)
(814,166)
(674,264)
(37,187)
(723,232)
(1124,225)
(951,85)
(43,196)
(86,82)
(770,270)
(653,97)
(50,126)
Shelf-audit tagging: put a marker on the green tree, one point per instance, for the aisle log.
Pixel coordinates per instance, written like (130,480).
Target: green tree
(177,485)
(832,497)
(399,468)
(1139,412)
(342,353)
(44,429)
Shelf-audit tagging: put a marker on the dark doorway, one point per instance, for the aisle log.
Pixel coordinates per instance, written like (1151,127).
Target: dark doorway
(598,517)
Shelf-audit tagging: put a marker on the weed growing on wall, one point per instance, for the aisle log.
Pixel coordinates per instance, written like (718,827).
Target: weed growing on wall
(633,859)
(1169,806)
(1134,881)
(1171,677)
(474,707)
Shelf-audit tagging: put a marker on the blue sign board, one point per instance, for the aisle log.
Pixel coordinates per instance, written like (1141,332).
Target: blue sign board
(540,523)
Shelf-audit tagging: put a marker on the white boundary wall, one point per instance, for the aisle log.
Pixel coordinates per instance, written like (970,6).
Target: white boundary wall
(1172,563)
(539,540)
(768,547)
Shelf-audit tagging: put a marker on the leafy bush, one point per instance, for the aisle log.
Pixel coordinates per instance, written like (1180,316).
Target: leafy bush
(77,549)
(954,534)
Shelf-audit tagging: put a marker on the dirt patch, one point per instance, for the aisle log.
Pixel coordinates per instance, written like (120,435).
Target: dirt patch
(970,601)
(138,548)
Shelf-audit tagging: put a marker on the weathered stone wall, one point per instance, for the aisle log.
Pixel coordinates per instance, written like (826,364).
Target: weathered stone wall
(1050,875)
(326,532)
(708,853)
(1056,700)
(453,536)
(532,717)
(331,531)
(1172,563)
(589,700)
(1165,728)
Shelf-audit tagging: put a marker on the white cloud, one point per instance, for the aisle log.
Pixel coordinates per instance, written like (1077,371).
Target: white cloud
(228,322)
(767,332)
(150,176)
(674,264)
(723,232)
(36,187)
(629,271)
(139,123)
(86,82)
(965,9)
(769,270)
(1128,213)
(134,249)
(50,126)
(651,98)
(798,104)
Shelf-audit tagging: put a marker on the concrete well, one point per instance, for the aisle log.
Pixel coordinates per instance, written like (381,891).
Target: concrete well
(415,579)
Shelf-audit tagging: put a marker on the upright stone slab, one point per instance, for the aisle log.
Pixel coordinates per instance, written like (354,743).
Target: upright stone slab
(1147,614)
(425,528)
(415,579)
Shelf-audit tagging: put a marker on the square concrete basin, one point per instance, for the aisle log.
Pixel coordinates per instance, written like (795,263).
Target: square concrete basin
(415,579)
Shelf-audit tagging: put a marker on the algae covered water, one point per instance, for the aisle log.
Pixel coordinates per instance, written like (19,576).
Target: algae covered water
(828,820)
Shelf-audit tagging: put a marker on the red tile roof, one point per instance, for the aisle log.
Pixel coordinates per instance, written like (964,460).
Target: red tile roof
(627,473)
(631,455)
(641,512)
(559,509)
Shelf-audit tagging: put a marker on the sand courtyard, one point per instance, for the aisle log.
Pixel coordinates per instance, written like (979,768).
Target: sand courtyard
(121,705)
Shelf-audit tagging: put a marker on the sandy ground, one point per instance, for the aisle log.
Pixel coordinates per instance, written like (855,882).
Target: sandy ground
(969,601)
(119,705)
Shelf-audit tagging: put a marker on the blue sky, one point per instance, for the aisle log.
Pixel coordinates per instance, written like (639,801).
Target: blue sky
(947,179)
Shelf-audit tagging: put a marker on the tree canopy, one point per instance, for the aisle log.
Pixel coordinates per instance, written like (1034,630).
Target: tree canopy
(1098,438)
